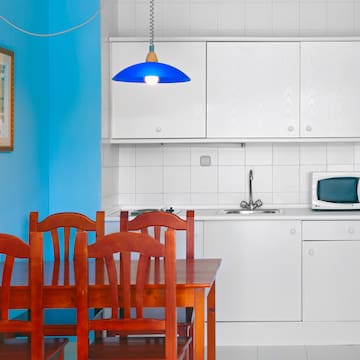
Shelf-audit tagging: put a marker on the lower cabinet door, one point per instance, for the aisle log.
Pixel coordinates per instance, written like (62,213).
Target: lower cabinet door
(260,274)
(331,286)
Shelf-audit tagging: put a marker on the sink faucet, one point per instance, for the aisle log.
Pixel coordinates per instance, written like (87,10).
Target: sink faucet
(251,205)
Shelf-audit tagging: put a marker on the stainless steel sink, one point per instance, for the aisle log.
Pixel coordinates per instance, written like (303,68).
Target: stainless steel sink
(142,211)
(249,212)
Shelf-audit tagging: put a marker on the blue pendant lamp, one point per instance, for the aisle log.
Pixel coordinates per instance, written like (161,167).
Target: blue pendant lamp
(151,71)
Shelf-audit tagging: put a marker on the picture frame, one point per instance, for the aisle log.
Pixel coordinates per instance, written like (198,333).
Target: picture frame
(6,100)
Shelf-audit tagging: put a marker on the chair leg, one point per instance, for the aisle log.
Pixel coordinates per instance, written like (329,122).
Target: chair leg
(191,346)
(61,356)
(189,319)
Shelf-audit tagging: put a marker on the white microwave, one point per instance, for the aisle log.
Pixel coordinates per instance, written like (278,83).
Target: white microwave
(335,190)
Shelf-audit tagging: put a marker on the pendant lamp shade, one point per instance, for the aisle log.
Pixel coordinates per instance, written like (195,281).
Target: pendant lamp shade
(151,71)
(146,71)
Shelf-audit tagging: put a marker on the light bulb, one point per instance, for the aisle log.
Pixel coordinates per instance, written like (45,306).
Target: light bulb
(151,79)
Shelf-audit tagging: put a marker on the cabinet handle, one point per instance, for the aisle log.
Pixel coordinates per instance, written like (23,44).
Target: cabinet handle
(158,129)
(351,230)
(308,128)
(292,231)
(311,252)
(290,128)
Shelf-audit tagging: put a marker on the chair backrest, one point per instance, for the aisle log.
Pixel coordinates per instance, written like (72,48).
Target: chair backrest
(153,222)
(14,253)
(130,277)
(61,228)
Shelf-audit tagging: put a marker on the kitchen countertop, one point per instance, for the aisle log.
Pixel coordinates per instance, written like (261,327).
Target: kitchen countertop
(284,214)
(288,213)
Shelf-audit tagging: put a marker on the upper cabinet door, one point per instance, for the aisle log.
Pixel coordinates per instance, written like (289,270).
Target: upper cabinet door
(162,110)
(330,88)
(253,89)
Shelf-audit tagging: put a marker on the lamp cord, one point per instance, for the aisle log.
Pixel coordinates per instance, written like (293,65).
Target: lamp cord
(90,19)
(152,17)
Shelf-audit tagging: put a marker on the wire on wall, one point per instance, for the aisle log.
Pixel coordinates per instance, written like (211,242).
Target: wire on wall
(18,28)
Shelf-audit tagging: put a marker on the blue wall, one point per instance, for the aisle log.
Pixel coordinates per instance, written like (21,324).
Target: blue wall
(55,164)
(75,108)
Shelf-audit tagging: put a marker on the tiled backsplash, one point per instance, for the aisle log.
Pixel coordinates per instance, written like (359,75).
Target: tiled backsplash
(164,175)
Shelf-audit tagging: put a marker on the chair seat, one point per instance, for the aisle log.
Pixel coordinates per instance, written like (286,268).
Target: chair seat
(62,322)
(134,347)
(19,349)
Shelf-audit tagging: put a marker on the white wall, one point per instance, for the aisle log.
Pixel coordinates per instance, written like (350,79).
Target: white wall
(171,175)
(239,17)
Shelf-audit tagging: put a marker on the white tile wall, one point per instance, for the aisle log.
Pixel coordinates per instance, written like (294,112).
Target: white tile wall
(231,179)
(286,18)
(312,153)
(259,18)
(235,17)
(162,175)
(110,176)
(340,154)
(357,17)
(177,179)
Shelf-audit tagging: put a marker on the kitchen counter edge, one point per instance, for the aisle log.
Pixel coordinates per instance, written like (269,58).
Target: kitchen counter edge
(284,214)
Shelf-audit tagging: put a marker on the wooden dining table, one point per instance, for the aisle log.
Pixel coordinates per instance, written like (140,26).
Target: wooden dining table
(195,288)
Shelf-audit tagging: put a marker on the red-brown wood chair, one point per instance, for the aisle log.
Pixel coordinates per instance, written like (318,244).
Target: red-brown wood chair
(154,224)
(16,253)
(59,235)
(165,344)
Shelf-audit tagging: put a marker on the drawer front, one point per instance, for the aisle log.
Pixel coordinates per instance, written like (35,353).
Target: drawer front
(330,230)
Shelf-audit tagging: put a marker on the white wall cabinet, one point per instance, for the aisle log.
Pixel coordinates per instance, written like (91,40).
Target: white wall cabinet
(330,87)
(260,274)
(253,89)
(240,89)
(162,110)
(331,269)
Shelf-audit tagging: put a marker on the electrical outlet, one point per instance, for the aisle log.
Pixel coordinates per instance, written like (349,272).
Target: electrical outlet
(205,160)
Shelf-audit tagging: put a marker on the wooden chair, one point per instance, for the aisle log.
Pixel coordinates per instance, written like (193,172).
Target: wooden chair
(122,295)
(14,249)
(61,229)
(154,224)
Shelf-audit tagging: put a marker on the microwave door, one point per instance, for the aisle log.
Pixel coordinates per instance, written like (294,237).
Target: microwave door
(338,190)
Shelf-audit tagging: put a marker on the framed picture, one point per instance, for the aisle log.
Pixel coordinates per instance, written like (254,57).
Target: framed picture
(6,100)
